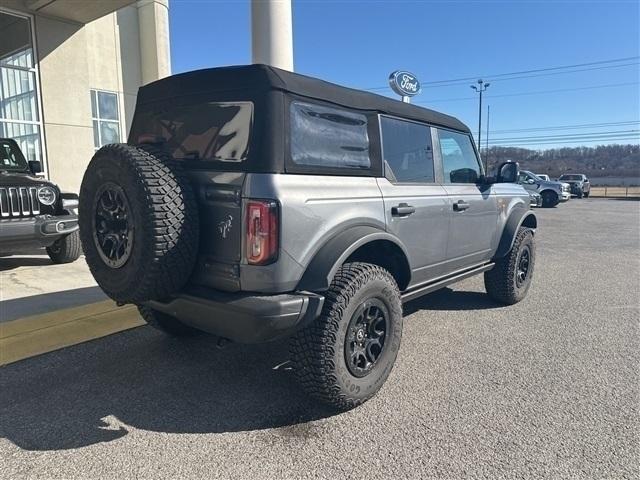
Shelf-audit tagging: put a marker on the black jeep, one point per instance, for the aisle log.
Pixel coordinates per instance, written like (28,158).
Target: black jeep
(33,211)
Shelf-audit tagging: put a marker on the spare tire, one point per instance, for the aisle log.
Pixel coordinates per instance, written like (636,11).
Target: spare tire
(139,223)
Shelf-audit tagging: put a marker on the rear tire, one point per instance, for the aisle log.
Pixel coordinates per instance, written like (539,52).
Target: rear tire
(166,323)
(586,194)
(509,280)
(549,199)
(345,356)
(66,249)
(138,223)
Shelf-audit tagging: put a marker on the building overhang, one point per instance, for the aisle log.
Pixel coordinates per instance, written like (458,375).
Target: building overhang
(74,10)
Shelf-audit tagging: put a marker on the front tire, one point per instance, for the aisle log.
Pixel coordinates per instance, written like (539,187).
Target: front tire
(549,199)
(346,355)
(509,280)
(66,249)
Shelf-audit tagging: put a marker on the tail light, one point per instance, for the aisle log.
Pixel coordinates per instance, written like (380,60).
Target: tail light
(262,231)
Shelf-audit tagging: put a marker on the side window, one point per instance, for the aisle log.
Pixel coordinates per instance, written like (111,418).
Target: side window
(105,117)
(459,160)
(407,151)
(328,137)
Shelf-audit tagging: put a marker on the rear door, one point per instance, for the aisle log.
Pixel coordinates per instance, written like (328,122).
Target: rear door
(472,208)
(415,203)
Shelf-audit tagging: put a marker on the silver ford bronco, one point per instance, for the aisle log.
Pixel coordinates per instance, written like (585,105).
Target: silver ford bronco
(256,204)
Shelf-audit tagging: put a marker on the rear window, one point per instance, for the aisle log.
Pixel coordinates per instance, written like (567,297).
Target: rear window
(328,137)
(208,131)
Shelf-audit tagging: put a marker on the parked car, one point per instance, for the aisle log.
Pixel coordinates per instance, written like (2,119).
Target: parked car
(551,192)
(543,176)
(33,211)
(255,204)
(535,200)
(579,184)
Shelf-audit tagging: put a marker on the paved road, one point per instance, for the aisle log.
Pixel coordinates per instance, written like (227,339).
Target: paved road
(548,388)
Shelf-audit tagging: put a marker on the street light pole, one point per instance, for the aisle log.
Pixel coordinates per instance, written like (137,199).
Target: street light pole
(486,149)
(481,87)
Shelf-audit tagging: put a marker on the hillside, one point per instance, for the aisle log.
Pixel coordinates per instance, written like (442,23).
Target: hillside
(601,161)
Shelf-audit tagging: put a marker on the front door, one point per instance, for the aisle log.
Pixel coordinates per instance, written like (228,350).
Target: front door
(416,206)
(472,208)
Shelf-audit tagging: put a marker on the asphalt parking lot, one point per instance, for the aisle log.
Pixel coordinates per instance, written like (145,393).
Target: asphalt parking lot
(546,388)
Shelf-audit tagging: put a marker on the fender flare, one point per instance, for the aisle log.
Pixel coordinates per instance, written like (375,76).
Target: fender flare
(517,218)
(323,266)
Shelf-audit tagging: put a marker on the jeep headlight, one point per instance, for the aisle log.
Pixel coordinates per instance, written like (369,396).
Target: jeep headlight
(47,195)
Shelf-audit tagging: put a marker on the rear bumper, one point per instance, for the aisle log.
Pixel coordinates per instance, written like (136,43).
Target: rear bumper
(242,317)
(42,230)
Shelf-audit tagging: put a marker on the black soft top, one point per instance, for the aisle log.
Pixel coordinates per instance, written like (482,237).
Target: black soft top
(257,79)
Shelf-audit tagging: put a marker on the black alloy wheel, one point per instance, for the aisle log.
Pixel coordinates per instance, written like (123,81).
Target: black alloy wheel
(113,228)
(524,262)
(366,335)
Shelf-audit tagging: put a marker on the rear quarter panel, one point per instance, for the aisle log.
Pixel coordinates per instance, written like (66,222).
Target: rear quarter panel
(510,197)
(313,208)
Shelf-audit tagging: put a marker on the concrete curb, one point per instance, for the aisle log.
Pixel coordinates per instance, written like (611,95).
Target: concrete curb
(31,336)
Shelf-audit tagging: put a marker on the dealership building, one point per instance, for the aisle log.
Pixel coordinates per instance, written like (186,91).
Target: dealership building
(69,75)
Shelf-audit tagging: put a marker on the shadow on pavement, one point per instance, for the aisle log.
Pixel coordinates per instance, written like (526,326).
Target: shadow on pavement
(96,391)
(10,263)
(450,300)
(48,302)
(93,392)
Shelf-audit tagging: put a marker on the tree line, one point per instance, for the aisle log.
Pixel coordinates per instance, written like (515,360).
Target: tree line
(601,161)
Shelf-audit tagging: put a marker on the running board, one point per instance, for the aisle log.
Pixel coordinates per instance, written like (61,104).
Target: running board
(432,287)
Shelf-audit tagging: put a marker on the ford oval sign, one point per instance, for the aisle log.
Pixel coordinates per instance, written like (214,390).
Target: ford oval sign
(404,83)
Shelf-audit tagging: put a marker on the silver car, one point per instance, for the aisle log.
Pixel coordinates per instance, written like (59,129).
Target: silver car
(256,204)
(551,192)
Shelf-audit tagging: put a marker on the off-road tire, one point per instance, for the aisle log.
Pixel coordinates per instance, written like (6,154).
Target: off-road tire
(501,281)
(66,249)
(164,216)
(166,323)
(586,194)
(318,350)
(580,194)
(549,199)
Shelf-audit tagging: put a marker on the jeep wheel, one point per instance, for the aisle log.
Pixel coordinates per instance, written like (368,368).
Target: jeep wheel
(580,194)
(510,279)
(586,194)
(166,323)
(346,355)
(66,249)
(138,223)
(549,199)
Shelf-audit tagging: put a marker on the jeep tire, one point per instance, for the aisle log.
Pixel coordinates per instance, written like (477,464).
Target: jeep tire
(344,357)
(166,323)
(138,223)
(509,280)
(66,249)
(549,199)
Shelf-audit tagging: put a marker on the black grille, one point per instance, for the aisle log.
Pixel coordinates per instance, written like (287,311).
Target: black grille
(19,202)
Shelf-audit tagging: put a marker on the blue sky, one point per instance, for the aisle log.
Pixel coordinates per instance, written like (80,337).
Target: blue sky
(358,43)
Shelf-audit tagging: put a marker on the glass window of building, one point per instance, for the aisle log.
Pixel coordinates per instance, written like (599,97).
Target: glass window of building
(106,119)
(19,115)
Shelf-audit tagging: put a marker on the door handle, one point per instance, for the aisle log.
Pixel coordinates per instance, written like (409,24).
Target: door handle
(460,206)
(402,210)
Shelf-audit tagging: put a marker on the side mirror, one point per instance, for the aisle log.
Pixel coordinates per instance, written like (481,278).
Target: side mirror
(35,166)
(507,173)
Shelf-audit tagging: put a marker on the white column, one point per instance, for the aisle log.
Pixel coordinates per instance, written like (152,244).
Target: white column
(271,33)
(153,24)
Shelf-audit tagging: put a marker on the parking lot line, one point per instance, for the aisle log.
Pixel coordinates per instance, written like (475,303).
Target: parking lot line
(30,336)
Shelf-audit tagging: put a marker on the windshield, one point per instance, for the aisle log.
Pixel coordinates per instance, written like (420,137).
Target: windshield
(533,175)
(11,157)
(571,177)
